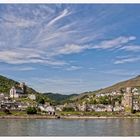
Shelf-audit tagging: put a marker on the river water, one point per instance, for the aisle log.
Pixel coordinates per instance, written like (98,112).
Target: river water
(64,127)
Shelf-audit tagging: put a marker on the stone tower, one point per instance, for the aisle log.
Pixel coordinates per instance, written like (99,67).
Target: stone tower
(128,100)
(23,87)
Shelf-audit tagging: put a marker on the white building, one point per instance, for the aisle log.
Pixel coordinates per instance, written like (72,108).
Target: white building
(17,92)
(2,96)
(32,96)
(49,109)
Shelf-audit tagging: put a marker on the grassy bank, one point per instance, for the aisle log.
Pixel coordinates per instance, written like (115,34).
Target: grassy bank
(23,114)
(99,114)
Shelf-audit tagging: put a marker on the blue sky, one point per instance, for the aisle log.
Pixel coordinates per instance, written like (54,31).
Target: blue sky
(67,48)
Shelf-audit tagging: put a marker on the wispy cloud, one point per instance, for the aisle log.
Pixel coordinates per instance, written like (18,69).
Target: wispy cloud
(62,14)
(127,60)
(12,21)
(73,68)
(19,68)
(114,43)
(133,48)
(23,56)
(120,72)
(43,33)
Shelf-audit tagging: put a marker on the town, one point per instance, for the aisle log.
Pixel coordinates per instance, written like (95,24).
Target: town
(123,101)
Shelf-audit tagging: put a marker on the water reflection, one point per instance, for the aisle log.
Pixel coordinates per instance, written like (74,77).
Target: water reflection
(95,127)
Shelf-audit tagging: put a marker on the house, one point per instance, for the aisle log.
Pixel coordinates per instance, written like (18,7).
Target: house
(134,90)
(32,96)
(2,96)
(109,108)
(49,109)
(23,106)
(59,107)
(100,108)
(118,108)
(136,107)
(18,91)
(8,105)
(82,107)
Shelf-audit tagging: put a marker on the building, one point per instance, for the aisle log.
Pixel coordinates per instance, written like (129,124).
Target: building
(18,91)
(127,101)
(32,96)
(49,109)
(59,107)
(2,97)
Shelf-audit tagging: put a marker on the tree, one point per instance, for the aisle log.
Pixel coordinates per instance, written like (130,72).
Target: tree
(104,100)
(40,100)
(31,110)
(7,111)
(68,109)
(93,101)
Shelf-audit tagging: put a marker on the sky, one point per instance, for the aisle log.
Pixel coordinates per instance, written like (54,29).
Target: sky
(69,48)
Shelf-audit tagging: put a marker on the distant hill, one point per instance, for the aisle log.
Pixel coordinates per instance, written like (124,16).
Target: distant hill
(6,84)
(134,82)
(59,98)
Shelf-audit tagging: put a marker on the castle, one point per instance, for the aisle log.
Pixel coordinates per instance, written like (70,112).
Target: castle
(18,91)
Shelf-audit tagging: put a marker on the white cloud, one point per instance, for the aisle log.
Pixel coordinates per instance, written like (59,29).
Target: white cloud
(23,68)
(127,60)
(70,48)
(114,43)
(15,22)
(63,14)
(120,72)
(24,55)
(47,55)
(40,35)
(134,48)
(107,44)
(17,68)
(73,68)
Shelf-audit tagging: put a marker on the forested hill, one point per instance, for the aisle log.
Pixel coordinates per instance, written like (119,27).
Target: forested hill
(59,98)
(6,84)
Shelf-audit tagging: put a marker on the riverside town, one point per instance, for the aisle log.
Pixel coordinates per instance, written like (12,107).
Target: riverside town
(22,101)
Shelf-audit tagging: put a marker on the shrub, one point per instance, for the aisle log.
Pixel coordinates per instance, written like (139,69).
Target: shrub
(68,109)
(6,111)
(31,110)
(40,100)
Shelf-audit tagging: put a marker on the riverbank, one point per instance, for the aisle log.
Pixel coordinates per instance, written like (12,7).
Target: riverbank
(66,117)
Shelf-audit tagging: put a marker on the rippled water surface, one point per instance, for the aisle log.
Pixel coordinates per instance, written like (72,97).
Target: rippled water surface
(52,127)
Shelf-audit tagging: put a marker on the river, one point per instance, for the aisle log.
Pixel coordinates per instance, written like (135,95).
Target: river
(65,127)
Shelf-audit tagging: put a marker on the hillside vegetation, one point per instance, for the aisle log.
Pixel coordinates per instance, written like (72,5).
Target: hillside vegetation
(134,82)
(59,98)
(6,84)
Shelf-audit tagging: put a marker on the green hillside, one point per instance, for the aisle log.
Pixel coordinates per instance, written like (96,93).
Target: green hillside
(134,82)
(59,98)
(6,84)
